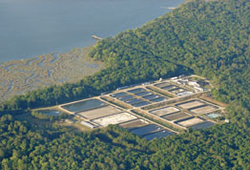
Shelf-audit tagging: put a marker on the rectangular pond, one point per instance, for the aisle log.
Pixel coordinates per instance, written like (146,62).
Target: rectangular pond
(202,125)
(146,130)
(123,98)
(134,124)
(158,99)
(144,93)
(153,96)
(137,90)
(118,94)
(160,134)
(169,87)
(114,119)
(162,84)
(191,104)
(50,112)
(83,105)
(134,101)
(164,111)
(204,109)
(144,103)
(176,116)
(99,112)
(190,121)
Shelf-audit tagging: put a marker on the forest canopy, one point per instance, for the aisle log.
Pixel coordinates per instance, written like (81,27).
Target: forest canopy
(206,38)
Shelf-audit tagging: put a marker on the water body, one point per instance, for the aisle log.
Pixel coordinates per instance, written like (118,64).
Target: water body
(202,125)
(35,27)
(140,104)
(160,134)
(146,130)
(50,112)
(84,105)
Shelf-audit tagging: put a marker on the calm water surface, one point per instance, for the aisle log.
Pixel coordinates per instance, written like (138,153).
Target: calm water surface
(33,27)
(50,112)
(84,105)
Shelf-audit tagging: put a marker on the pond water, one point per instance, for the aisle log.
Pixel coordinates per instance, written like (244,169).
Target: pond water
(119,94)
(137,90)
(34,27)
(160,134)
(140,104)
(143,93)
(135,100)
(202,125)
(149,97)
(146,130)
(159,99)
(50,112)
(123,98)
(84,105)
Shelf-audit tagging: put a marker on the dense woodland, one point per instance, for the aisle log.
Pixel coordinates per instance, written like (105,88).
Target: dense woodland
(211,39)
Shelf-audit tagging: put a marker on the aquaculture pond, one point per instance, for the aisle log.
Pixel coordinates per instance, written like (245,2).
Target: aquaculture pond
(149,97)
(159,99)
(119,94)
(137,90)
(83,105)
(140,104)
(50,112)
(123,98)
(143,93)
(135,100)
(160,134)
(146,130)
(134,124)
(202,125)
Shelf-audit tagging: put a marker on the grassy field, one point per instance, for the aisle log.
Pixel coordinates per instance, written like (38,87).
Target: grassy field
(29,118)
(21,76)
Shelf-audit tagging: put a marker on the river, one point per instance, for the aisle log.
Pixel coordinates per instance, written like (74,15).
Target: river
(34,27)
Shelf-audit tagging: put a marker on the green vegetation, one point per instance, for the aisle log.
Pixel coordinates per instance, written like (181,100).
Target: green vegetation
(208,39)
(24,146)
(43,116)
(212,40)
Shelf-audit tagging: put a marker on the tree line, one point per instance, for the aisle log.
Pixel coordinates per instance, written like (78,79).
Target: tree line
(206,38)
